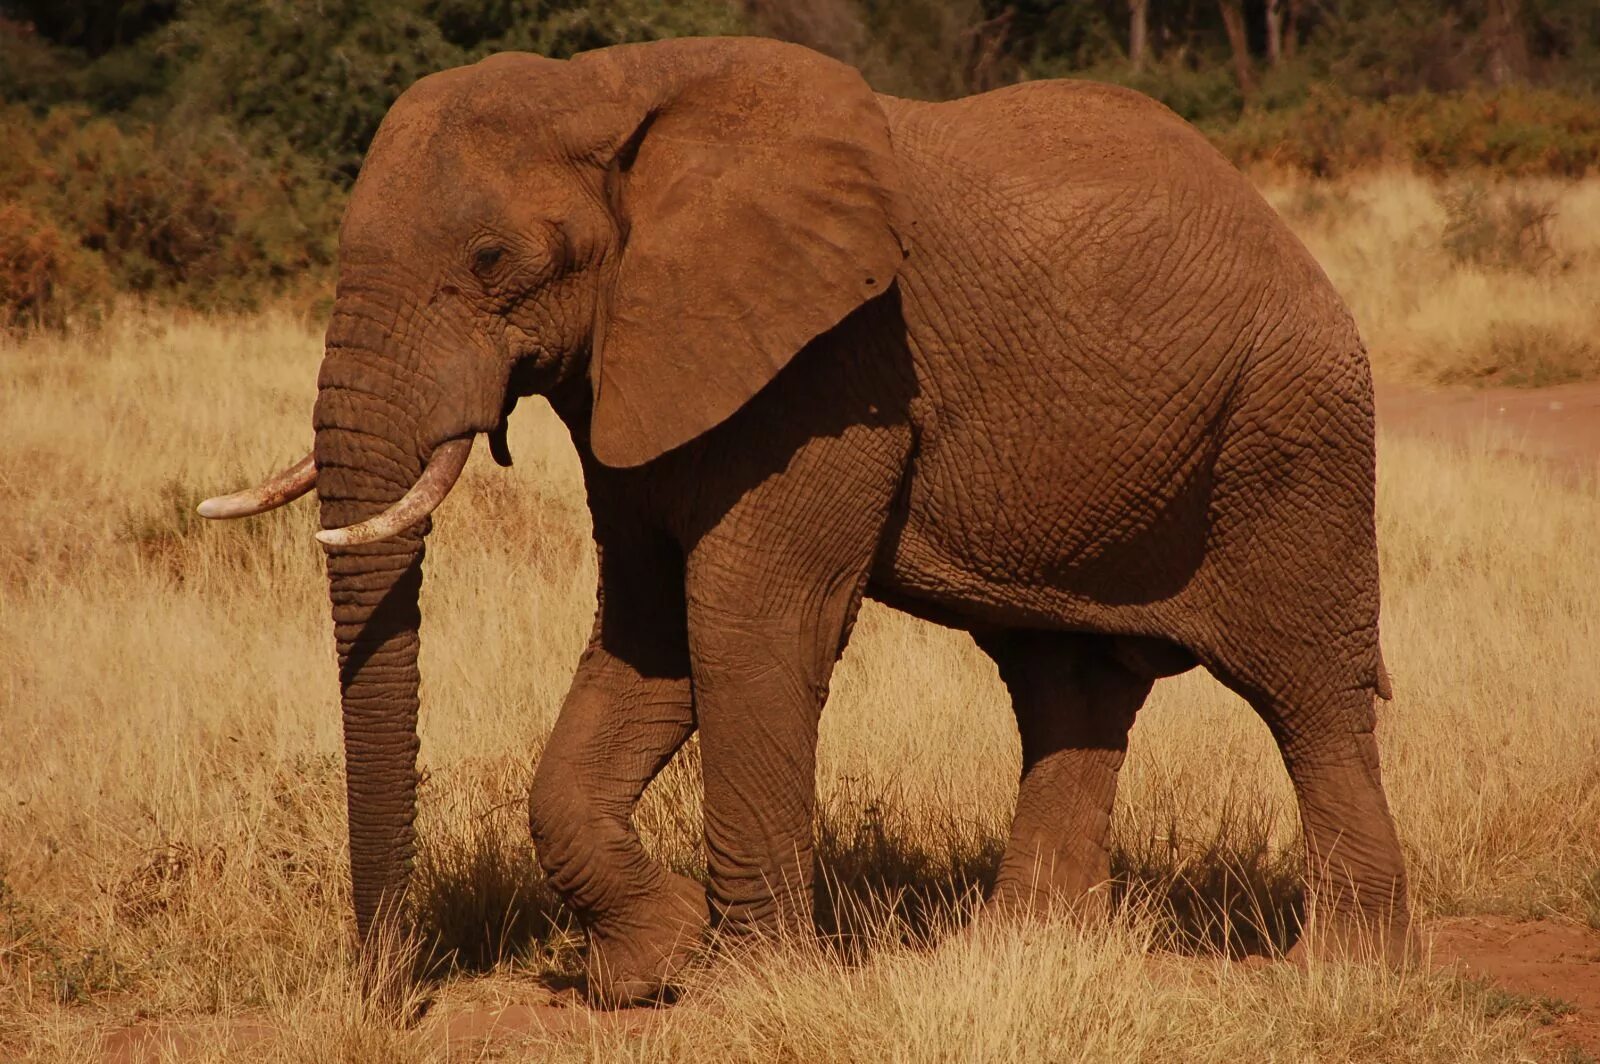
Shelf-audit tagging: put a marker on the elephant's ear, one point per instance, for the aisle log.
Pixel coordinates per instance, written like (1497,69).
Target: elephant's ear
(757,199)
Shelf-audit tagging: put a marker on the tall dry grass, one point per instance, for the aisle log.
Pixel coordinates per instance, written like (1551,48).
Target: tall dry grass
(1465,281)
(171,800)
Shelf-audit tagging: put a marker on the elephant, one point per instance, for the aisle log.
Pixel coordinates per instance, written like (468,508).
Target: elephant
(1037,364)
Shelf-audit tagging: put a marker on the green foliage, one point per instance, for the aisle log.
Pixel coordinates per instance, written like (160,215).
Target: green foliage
(40,69)
(93,26)
(923,49)
(204,159)
(1198,94)
(1376,49)
(197,149)
(313,79)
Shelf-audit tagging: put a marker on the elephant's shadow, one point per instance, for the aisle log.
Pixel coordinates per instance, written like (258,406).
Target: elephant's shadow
(480,901)
(1228,891)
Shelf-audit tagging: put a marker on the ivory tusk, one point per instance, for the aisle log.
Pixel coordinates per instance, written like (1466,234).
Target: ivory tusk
(444,467)
(272,493)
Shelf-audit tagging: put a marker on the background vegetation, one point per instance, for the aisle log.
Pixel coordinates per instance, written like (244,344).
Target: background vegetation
(198,151)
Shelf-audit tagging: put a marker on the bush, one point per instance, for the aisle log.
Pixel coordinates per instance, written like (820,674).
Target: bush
(923,49)
(1510,232)
(1329,134)
(44,276)
(1526,355)
(1514,132)
(1203,96)
(186,213)
(319,86)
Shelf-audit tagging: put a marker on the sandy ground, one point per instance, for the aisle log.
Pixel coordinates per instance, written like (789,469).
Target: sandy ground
(1559,424)
(1555,963)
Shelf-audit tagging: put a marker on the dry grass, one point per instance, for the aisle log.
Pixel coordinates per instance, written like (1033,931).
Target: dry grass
(1470,281)
(171,804)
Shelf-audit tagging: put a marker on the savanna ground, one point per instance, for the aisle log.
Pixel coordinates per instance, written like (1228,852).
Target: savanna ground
(171,800)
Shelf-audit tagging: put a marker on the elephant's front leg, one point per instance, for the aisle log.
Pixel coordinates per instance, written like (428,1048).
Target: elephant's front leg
(761,671)
(772,592)
(629,710)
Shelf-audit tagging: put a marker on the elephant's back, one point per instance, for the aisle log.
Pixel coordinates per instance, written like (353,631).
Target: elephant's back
(1092,179)
(1050,129)
(1087,240)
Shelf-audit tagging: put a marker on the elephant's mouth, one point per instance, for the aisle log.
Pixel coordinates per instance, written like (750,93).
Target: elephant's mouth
(438,477)
(498,448)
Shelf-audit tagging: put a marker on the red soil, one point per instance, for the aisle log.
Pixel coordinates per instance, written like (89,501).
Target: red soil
(1555,963)
(1559,424)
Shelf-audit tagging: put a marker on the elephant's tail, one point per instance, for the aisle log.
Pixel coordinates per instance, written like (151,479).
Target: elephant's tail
(1380,682)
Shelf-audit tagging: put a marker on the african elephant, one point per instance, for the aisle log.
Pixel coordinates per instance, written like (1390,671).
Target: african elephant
(1037,364)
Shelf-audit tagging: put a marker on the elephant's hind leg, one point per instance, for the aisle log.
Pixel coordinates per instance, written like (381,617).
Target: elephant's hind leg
(1356,879)
(1074,703)
(1290,617)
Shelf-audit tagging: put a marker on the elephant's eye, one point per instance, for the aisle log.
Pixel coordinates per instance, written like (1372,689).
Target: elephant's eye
(485,259)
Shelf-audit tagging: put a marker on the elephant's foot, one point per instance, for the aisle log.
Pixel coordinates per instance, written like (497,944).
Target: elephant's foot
(387,967)
(1032,888)
(633,962)
(1365,938)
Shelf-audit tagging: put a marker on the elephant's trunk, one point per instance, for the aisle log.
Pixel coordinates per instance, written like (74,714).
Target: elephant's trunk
(368,458)
(444,467)
(389,446)
(374,592)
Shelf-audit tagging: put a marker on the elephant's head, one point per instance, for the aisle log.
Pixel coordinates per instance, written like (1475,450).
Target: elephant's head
(670,222)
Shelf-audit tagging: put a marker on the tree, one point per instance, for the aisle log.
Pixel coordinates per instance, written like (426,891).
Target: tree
(1238,43)
(1507,48)
(1138,32)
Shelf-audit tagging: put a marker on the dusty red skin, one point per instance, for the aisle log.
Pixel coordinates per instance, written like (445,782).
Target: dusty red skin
(1037,364)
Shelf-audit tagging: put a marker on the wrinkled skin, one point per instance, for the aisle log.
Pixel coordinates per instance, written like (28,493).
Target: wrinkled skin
(1036,364)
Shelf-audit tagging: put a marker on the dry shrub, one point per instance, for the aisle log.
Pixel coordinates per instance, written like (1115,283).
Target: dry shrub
(1512,132)
(1510,231)
(1330,134)
(1053,991)
(185,212)
(1523,354)
(165,879)
(44,275)
(478,898)
(1220,881)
